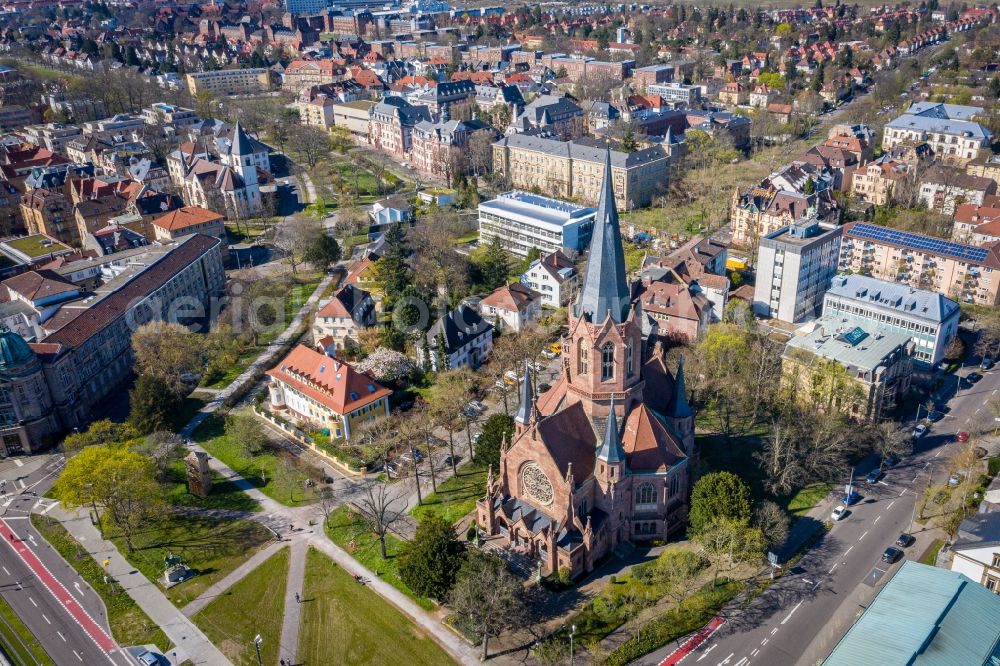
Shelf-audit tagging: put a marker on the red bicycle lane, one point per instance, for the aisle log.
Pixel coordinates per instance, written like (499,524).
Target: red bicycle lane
(691,644)
(56,589)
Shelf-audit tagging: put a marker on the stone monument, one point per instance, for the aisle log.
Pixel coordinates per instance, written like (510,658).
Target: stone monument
(198,474)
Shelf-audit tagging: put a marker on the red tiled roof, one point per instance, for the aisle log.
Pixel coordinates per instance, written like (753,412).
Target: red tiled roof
(512,297)
(36,285)
(185,217)
(329,381)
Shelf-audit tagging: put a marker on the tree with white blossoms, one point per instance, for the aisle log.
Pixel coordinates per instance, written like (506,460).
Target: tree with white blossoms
(387,365)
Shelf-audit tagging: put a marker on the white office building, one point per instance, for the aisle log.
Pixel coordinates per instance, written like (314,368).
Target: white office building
(930,319)
(795,266)
(522,221)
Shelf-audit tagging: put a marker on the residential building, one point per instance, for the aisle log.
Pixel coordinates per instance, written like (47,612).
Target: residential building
(391,123)
(460,339)
(523,221)
(876,367)
(965,273)
(729,127)
(113,238)
(795,266)
(437,146)
(761,96)
(676,95)
(987,165)
(942,190)
(875,181)
(767,208)
(14,117)
(339,322)
(949,129)
(924,615)
(601,458)
(83,349)
(318,112)
(191,220)
(977,225)
(301,74)
(674,311)
(559,116)
(51,136)
(733,94)
(553,276)
(223,82)
(572,170)
(976,550)
(325,393)
(169,117)
(120,125)
(512,307)
(50,212)
(930,319)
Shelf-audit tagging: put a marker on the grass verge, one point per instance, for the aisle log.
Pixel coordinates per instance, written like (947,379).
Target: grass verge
(272,472)
(800,503)
(457,496)
(211,546)
(254,605)
(17,640)
(129,624)
(930,556)
(347,623)
(346,529)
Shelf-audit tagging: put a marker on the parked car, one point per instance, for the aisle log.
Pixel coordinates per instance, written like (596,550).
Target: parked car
(919,431)
(891,460)
(147,658)
(973,377)
(987,363)
(904,540)
(955,479)
(962,437)
(478,404)
(449,460)
(934,416)
(838,513)
(891,554)
(851,498)
(549,354)
(873,476)
(543,387)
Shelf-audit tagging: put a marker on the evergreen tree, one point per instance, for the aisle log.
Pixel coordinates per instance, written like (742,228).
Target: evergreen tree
(428,564)
(810,186)
(495,265)
(152,403)
(391,270)
(719,495)
(488,445)
(323,253)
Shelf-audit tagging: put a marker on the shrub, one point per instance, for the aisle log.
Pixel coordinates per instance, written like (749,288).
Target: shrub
(565,577)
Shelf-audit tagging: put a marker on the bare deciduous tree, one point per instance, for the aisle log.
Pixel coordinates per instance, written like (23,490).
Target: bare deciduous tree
(381,506)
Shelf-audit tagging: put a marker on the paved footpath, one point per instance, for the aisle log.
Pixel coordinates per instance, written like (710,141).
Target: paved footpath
(188,639)
(236,575)
(293,597)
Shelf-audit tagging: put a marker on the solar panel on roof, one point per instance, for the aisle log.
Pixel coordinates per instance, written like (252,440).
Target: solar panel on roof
(919,242)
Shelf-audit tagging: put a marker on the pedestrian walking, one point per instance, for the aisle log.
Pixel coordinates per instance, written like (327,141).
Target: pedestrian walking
(297,600)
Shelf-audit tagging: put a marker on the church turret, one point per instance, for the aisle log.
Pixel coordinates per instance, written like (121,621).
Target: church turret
(679,414)
(611,451)
(526,413)
(605,290)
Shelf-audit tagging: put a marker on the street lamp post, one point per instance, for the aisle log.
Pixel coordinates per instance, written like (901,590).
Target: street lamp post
(257,640)
(571,632)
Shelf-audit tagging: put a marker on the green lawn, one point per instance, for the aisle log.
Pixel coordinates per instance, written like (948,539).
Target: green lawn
(129,624)
(350,533)
(212,547)
(806,498)
(17,641)
(190,406)
(254,605)
(346,623)
(225,494)
(457,496)
(930,557)
(468,237)
(266,471)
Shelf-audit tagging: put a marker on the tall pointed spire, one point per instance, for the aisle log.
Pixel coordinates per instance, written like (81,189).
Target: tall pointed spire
(611,450)
(241,144)
(526,409)
(604,286)
(679,407)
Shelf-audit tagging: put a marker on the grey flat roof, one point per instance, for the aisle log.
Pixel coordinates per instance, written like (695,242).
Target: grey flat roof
(825,337)
(918,303)
(554,212)
(581,151)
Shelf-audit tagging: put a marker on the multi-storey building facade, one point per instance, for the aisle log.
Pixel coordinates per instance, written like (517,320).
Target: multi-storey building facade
(965,273)
(949,129)
(230,81)
(391,123)
(795,266)
(930,319)
(573,170)
(876,181)
(523,221)
(765,209)
(433,144)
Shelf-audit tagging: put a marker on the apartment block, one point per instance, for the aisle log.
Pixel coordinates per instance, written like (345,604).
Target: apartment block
(948,129)
(965,273)
(230,81)
(795,266)
(523,221)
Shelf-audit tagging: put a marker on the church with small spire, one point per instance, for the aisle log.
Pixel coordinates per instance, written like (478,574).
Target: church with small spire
(603,458)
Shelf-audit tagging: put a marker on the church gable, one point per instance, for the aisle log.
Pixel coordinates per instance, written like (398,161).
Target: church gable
(569,439)
(649,445)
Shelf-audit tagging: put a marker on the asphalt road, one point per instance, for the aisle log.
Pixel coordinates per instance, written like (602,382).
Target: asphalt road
(800,618)
(64,614)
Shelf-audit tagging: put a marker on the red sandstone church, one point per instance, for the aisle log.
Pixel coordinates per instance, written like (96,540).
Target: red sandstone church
(575,483)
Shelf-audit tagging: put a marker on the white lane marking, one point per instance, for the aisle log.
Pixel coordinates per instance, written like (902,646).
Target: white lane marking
(903,491)
(848,550)
(789,616)
(863,535)
(764,642)
(33,602)
(31,538)
(890,505)
(705,653)
(726,660)
(755,651)
(18,462)
(876,519)
(832,568)
(77,586)
(22,484)
(742,661)
(774,631)
(49,508)
(61,636)
(46,619)
(807,581)
(935,455)
(77,655)
(5,571)
(19,586)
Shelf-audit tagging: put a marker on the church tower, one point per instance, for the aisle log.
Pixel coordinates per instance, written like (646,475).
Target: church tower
(605,349)
(241,159)
(679,414)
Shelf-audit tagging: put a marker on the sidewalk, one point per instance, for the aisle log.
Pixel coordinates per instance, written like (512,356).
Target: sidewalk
(189,641)
(219,588)
(293,607)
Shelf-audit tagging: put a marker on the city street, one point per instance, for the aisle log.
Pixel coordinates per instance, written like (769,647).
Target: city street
(63,613)
(800,618)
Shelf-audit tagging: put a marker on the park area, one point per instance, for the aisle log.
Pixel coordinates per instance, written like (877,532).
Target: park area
(253,606)
(347,623)
(456,496)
